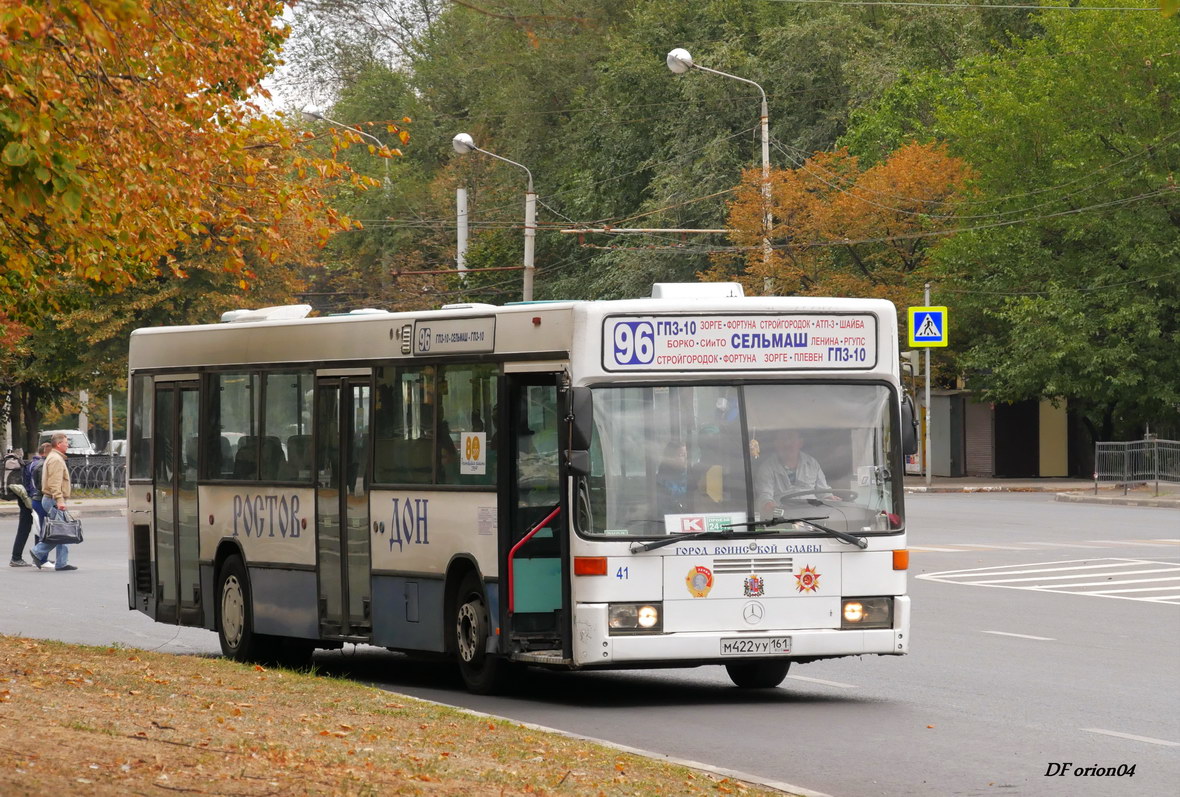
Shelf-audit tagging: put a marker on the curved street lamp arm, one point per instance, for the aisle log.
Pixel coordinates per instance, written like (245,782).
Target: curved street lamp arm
(506,160)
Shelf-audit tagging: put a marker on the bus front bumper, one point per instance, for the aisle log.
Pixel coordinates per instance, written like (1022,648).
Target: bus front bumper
(594,646)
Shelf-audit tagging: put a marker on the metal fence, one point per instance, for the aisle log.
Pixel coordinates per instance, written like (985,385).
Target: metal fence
(1138,462)
(103,472)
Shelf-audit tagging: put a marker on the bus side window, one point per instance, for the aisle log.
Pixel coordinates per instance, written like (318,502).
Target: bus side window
(299,456)
(246,459)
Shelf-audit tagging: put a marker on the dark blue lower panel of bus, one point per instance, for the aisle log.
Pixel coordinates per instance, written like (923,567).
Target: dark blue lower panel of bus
(408,613)
(285,602)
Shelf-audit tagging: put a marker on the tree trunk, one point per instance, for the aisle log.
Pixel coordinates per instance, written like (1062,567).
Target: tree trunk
(30,414)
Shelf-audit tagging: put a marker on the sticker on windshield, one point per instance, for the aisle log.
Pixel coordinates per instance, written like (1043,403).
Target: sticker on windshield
(698,523)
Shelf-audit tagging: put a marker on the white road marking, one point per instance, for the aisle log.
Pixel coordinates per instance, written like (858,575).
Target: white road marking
(822,682)
(1005,570)
(1133,737)
(1112,583)
(1076,577)
(1066,545)
(1083,575)
(1141,589)
(1021,636)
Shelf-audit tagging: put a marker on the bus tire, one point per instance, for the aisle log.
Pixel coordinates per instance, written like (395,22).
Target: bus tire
(483,674)
(757,674)
(235,617)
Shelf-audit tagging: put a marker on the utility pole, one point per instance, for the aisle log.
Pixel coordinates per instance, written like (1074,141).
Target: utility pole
(926,453)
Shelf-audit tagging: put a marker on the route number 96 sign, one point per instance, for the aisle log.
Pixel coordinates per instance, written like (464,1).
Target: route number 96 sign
(740,342)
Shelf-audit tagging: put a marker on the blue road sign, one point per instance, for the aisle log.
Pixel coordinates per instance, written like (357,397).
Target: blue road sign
(927,326)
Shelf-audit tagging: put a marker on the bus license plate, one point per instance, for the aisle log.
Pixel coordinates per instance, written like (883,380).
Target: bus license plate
(760,646)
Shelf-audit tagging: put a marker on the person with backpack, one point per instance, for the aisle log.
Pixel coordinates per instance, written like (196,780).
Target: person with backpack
(17,490)
(55,489)
(32,477)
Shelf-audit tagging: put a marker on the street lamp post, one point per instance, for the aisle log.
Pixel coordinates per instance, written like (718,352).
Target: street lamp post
(463,144)
(680,61)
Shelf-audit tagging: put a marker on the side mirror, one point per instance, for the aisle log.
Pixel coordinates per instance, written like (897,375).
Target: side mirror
(578,462)
(909,425)
(582,422)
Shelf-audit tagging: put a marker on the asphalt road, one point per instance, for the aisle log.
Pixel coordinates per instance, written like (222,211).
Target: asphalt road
(1044,633)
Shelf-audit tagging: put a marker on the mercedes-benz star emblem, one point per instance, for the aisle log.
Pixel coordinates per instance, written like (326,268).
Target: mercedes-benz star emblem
(753,612)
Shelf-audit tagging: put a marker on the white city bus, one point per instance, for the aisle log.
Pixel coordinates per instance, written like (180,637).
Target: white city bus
(562,484)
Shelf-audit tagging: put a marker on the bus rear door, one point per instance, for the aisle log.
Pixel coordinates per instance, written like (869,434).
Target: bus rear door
(174,503)
(343,410)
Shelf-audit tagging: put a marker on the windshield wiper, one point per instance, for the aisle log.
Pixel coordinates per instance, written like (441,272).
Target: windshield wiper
(718,534)
(851,539)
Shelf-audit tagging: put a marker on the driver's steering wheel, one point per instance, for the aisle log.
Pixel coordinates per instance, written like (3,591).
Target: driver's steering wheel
(817,494)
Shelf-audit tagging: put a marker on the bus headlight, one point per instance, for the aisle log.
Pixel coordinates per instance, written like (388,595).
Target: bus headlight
(635,618)
(866,613)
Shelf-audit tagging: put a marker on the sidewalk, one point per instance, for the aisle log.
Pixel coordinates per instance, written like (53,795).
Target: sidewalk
(83,507)
(1070,490)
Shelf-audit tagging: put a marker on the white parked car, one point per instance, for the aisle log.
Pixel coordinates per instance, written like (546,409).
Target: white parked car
(79,443)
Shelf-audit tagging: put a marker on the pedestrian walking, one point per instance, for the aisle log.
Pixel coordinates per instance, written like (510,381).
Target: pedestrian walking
(32,480)
(55,490)
(25,520)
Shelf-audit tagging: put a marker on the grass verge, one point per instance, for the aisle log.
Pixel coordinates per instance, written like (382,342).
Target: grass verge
(116,721)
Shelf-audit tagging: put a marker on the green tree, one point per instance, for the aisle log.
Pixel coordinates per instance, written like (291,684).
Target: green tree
(1062,276)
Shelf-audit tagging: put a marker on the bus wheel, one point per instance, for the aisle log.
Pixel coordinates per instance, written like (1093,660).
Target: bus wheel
(483,674)
(235,620)
(758,674)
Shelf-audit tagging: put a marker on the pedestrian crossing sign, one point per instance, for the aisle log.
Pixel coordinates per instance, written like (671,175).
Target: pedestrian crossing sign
(928,326)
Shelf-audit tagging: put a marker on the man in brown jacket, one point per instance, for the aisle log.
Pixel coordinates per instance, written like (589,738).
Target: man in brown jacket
(55,489)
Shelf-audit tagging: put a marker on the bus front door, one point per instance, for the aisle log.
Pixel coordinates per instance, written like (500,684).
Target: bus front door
(174,502)
(342,507)
(535,603)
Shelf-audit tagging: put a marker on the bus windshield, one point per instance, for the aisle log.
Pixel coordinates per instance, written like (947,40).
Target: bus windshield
(699,458)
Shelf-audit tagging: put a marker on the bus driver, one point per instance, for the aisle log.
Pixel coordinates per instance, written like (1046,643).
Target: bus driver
(787,470)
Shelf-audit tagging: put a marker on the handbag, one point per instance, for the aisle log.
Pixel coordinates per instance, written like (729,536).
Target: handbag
(64,529)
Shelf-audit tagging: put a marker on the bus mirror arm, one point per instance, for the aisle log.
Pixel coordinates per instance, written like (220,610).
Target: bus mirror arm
(581,418)
(909,425)
(578,462)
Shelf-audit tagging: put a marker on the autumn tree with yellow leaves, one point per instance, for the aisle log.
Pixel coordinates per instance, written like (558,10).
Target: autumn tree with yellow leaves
(840,230)
(127,133)
(132,156)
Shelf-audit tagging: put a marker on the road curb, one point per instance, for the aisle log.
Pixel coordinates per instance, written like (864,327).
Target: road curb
(733,774)
(1118,500)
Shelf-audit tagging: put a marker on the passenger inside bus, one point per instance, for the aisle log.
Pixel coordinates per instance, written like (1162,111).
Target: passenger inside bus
(672,479)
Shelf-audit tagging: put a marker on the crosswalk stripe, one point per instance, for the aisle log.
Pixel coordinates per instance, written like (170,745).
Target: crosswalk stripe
(1112,583)
(1032,568)
(1121,578)
(1081,575)
(1140,589)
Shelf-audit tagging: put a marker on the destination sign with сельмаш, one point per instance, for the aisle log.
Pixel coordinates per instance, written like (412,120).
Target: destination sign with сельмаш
(800,341)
